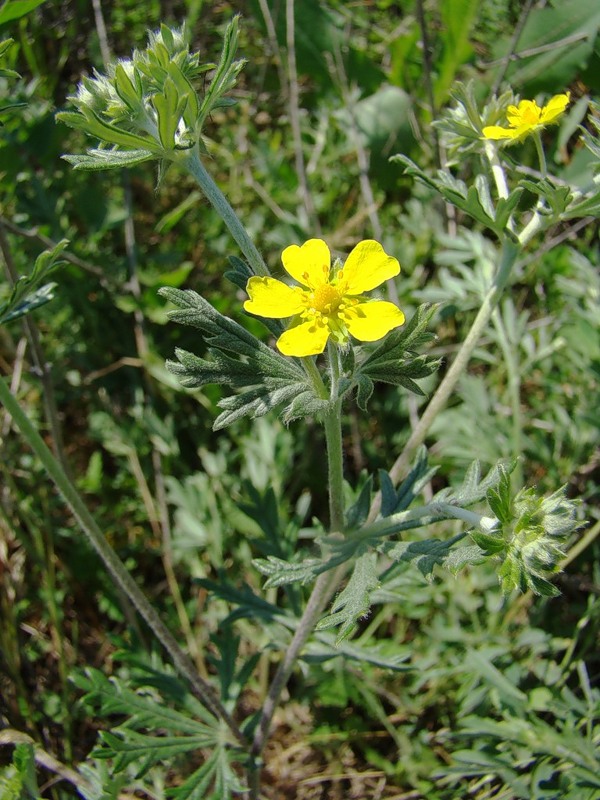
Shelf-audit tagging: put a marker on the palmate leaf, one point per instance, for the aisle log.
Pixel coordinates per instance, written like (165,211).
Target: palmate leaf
(238,359)
(396,361)
(216,772)
(128,747)
(141,708)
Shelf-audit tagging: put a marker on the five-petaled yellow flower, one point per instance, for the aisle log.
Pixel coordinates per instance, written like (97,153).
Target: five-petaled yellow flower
(528,117)
(328,301)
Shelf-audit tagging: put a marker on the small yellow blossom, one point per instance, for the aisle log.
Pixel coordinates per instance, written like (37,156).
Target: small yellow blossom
(528,117)
(328,302)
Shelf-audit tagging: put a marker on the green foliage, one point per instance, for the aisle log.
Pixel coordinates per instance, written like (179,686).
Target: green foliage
(126,745)
(18,780)
(147,107)
(32,291)
(446,688)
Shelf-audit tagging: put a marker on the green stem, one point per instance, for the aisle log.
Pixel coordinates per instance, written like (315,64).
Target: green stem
(433,511)
(514,389)
(541,155)
(195,167)
(203,690)
(510,251)
(327,582)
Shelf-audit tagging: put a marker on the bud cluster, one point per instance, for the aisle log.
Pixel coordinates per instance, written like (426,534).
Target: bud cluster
(147,107)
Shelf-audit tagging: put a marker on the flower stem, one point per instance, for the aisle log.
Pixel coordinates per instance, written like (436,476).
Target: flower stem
(326,583)
(195,167)
(510,251)
(541,155)
(201,688)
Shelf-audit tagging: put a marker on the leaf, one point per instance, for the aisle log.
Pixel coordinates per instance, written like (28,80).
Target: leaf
(15,9)
(141,708)
(473,200)
(130,747)
(97,159)
(280,572)
(396,500)
(31,291)
(425,554)
(238,359)
(226,73)
(353,602)
(357,514)
(92,124)
(396,361)
(499,497)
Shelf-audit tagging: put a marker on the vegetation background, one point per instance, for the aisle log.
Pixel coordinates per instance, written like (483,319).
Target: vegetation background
(501,698)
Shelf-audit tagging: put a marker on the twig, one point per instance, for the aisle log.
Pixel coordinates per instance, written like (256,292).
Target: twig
(294,111)
(525,11)
(274,44)
(440,155)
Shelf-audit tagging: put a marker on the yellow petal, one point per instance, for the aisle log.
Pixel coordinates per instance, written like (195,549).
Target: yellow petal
(272,298)
(496,132)
(555,107)
(368,322)
(367,266)
(306,339)
(526,113)
(309,264)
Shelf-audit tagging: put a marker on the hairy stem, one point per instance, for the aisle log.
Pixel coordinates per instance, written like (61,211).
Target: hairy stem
(327,582)
(203,690)
(196,168)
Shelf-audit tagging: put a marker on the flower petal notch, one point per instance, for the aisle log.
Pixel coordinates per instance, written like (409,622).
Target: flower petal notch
(327,302)
(527,117)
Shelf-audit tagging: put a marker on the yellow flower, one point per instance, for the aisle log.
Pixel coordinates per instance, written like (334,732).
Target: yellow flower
(528,117)
(327,302)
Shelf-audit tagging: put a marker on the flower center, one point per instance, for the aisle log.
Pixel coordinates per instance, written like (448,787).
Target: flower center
(326,299)
(531,115)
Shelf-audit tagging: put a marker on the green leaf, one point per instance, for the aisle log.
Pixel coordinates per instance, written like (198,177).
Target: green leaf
(169,108)
(473,200)
(88,121)
(140,707)
(15,9)
(357,514)
(425,554)
(280,572)
(130,747)
(29,291)
(499,497)
(97,159)
(353,602)
(126,89)
(395,500)
(226,73)
(239,359)
(395,360)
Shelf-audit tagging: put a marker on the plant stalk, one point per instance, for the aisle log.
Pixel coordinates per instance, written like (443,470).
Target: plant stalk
(202,689)
(195,167)
(327,582)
